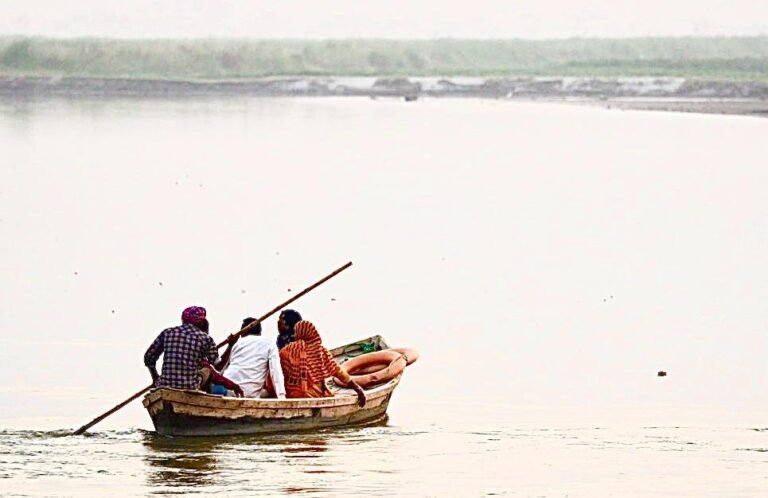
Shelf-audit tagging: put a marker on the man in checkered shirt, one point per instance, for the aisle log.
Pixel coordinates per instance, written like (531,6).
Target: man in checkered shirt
(184,348)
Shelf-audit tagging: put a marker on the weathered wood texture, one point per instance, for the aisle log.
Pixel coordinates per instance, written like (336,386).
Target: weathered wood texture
(192,413)
(169,423)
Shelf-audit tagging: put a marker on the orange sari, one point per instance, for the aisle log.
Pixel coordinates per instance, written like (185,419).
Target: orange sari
(306,364)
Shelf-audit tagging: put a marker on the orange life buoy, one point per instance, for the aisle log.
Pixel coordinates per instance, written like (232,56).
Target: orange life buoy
(395,365)
(411,355)
(370,369)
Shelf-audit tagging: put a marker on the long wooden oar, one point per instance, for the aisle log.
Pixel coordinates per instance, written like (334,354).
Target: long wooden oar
(238,334)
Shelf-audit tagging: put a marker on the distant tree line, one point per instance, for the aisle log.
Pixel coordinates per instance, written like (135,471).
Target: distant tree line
(743,58)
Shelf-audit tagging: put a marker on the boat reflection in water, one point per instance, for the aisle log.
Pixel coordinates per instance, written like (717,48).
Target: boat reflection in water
(253,464)
(180,462)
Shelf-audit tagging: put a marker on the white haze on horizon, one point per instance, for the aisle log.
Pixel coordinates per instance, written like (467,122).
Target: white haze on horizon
(391,19)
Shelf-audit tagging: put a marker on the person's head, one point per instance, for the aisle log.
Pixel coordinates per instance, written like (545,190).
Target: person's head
(287,321)
(195,315)
(255,330)
(306,331)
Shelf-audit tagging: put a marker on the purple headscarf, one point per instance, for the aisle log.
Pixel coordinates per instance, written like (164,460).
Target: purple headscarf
(194,315)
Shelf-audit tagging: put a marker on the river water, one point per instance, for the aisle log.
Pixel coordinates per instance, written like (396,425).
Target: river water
(546,260)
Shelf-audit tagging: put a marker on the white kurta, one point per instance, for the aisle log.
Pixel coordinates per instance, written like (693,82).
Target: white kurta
(252,357)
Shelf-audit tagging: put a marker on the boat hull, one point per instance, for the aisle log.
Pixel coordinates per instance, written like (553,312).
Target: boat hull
(193,413)
(169,423)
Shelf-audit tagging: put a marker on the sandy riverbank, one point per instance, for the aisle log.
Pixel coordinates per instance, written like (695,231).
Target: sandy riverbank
(659,94)
(744,107)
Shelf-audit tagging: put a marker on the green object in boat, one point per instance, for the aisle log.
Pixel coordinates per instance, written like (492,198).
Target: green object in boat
(365,347)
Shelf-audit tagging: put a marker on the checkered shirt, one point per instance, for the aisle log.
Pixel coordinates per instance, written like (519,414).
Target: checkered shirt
(184,347)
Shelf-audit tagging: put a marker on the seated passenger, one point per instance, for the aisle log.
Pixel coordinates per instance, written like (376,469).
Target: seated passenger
(184,348)
(307,364)
(250,359)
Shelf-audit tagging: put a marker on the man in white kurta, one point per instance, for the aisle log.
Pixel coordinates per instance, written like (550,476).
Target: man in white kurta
(251,359)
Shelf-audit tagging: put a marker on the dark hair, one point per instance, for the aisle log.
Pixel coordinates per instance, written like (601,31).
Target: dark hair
(291,317)
(255,330)
(203,325)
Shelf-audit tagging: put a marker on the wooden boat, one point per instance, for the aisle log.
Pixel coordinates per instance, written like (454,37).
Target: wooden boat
(177,412)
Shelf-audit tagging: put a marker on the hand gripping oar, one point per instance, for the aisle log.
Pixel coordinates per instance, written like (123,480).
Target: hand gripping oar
(238,334)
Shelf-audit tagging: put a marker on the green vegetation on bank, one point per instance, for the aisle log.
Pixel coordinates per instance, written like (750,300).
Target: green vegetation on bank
(733,58)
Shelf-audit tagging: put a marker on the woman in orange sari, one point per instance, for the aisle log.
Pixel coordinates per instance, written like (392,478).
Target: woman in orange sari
(306,364)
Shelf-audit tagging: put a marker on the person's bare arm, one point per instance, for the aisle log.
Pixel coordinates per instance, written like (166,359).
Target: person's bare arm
(344,376)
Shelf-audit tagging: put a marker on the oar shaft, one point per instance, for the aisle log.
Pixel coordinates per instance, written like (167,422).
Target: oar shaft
(110,412)
(286,303)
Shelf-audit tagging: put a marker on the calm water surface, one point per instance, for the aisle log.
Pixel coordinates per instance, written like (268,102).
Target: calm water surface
(546,260)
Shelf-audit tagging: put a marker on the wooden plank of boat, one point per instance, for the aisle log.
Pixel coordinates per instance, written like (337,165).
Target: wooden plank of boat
(194,413)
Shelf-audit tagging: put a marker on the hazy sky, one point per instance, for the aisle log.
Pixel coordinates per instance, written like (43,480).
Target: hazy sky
(391,18)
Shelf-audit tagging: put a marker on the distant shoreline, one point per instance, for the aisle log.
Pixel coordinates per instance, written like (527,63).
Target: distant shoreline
(664,94)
